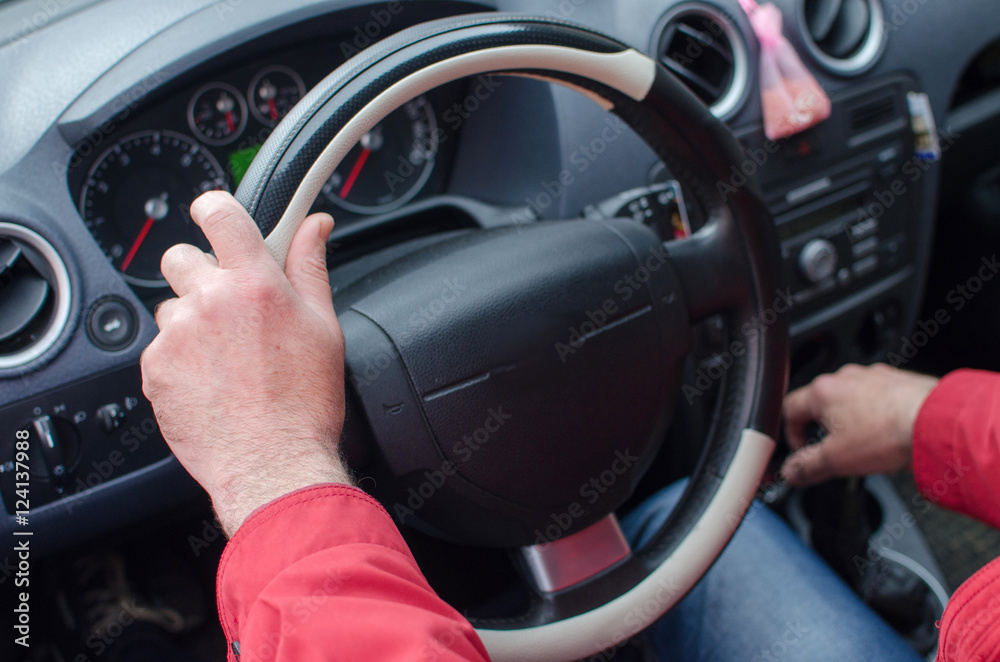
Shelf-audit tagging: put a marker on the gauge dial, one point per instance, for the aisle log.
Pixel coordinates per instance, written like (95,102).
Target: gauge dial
(217,114)
(273,92)
(137,197)
(390,164)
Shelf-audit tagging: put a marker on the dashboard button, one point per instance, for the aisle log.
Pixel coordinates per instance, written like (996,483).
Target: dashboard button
(111,324)
(111,416)
(818,260)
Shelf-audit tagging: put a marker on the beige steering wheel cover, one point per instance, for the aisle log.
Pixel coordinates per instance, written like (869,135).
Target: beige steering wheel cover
(629,71)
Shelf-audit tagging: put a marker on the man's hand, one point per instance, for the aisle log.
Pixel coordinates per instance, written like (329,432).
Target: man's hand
(868,414)
(247,374)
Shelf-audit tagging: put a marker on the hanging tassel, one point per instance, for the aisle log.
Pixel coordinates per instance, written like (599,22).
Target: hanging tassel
(792,99)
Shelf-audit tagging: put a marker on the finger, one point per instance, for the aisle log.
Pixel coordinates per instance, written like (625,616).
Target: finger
(234,236)
(165,311)
(184,266)
(810,465)
(306,265)
(801,407)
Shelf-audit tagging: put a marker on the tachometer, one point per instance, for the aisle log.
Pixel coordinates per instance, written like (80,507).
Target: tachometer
(273,92)
(137,197)
(390,164)
(217,114)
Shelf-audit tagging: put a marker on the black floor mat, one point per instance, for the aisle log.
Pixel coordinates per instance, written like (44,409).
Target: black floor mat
(961,545)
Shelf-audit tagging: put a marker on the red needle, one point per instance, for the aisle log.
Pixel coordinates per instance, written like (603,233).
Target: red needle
(229,122)
(355,171)
(138,242)
(273,107)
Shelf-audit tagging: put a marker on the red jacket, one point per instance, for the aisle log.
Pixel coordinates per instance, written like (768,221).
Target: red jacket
(956,461)
(323,574)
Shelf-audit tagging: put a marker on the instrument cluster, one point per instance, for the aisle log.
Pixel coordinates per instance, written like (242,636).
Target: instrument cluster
(135,190)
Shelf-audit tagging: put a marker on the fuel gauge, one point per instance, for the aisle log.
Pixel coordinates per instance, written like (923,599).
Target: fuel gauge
(273,92)
(217,114)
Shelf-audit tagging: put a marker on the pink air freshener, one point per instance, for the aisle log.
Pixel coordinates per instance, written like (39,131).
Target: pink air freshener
(793,101)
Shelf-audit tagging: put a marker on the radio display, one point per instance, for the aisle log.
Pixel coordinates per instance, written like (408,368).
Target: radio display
(851,205)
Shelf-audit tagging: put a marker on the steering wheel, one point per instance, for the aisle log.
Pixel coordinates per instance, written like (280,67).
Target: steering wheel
(526,411)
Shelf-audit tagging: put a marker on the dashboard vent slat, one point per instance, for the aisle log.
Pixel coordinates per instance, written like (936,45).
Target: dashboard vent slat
(34,295)
(872,114)
(9,255)
(22,301)
(705,51)
(822,17)
(843,35)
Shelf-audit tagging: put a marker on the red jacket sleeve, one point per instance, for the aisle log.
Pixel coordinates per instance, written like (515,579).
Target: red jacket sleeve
(956,457)
(956,445)
(323,574)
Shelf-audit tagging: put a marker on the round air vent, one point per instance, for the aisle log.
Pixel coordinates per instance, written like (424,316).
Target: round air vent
(34,295)
(703,47)
(845,36)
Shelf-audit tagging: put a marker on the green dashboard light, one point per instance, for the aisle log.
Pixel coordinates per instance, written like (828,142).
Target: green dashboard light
(240,160)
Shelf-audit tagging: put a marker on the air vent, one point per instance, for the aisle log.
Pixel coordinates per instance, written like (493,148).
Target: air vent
(703,48)
(845,36)
(872,114)
(34,296)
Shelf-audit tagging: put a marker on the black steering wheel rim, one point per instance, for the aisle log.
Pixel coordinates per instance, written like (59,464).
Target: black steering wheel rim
(736,252)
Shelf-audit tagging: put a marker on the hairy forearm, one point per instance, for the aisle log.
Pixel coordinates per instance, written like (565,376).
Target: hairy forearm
(264,480)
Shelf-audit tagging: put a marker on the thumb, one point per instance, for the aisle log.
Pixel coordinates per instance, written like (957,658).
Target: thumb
(809,465)
(305,267)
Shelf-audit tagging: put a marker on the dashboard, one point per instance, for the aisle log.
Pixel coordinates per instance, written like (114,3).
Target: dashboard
(115,114)
(133,194)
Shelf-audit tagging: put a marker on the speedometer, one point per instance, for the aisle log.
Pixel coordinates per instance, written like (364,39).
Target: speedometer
(137,197)
(390,164)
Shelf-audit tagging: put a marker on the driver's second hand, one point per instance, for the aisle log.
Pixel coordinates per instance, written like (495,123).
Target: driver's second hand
(146,227)
(355,171)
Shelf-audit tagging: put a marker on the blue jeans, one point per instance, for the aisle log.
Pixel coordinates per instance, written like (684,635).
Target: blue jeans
(768,598)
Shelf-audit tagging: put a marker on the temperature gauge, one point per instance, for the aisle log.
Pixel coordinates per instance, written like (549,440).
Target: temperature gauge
(273,92)
(217,114)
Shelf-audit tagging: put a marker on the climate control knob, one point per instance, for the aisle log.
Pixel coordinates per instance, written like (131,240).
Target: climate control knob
(818,260)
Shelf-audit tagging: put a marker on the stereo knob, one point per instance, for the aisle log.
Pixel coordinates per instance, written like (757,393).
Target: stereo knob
(818,260)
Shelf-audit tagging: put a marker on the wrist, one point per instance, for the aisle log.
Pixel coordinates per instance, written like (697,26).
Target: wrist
(243,490)
(909,403)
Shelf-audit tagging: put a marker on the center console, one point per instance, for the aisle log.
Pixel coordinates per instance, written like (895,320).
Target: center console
(843,218)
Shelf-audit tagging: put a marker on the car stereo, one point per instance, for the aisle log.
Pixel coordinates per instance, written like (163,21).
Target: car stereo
(842,221)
